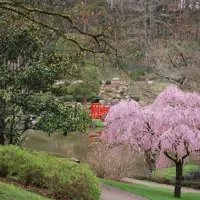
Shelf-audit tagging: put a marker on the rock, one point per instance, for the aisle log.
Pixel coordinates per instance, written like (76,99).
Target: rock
(59,82)
(118,96)
(77,81)
(150,82)
(115,101)
(115,79)
(103,102)
(111,95)
(142,103)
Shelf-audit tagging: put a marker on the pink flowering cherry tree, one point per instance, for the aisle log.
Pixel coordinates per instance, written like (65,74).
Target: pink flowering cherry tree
(168,129)
(127,123)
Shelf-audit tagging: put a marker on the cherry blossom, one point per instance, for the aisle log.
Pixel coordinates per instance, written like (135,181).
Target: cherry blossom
(169,129)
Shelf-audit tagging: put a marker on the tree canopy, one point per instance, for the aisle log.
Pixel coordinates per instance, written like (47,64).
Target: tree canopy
(25,71)
(167,130)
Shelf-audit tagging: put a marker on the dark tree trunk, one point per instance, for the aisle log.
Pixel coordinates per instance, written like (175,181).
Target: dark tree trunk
(84,102)
(1,139)
(149,162)
(11,139)
(179,174)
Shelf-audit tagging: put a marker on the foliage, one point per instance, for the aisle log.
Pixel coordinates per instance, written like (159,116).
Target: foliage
(64,178)
(152,193)
(98,123)
(90,82)
(58,90)
(27,68)
(93,96)
(108,82)
(96,99)
(114,164)
(167,129)
(79,98)
(12,192)
(68,98)
(137,75)
(55,115)
(192,175)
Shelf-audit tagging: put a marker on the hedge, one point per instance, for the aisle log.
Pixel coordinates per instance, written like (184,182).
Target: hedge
(68,98)
(64,178)
(108,82)
(79,98)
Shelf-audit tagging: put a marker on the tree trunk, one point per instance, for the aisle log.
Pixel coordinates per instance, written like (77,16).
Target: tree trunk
(179,174)
(84,102)
(149,161)
(1,139)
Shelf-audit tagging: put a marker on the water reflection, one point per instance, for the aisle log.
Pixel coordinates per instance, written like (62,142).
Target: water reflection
(75,144)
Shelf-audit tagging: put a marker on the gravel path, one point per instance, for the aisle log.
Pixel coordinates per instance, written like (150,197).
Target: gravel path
(110,193)
(148,183)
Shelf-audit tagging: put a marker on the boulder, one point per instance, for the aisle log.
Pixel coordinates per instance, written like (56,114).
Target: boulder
(111,95)
(115,101)
(118,96)
(115,79)
(103,102)
(142,103)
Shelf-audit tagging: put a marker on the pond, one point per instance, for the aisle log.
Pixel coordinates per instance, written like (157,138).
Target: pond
(75,144)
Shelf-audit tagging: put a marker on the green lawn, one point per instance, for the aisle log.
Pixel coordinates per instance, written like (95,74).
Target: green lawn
(98,122)
(11,192)
(150,193)
(169,173)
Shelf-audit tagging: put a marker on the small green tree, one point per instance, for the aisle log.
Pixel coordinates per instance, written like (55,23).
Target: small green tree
(90,82)
(25,70)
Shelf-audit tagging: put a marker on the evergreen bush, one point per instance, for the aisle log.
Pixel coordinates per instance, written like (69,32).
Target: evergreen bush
(64,178)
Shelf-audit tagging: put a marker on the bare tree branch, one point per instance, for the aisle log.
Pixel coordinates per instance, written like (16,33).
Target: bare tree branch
(25,11)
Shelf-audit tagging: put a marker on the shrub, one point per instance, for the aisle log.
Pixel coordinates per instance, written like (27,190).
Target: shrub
(72,180)
(59,90)
(68,98)
(95,99)
(64,178)
(193,175)
(79,98)
(91,96)
(21,166)
(114,164)
(137,75)
(193,184)
(108,82)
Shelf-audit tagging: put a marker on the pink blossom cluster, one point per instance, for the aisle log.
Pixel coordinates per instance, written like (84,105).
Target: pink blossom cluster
(170,126)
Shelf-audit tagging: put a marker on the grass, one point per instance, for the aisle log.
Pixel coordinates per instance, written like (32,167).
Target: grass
(169,173)
(11,192)
(98,123)
(151,193)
